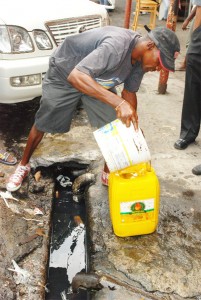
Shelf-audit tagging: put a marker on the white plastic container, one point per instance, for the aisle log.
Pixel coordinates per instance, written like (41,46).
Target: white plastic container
(121,146)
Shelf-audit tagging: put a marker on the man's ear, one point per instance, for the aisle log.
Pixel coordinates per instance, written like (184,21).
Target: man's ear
(150,45)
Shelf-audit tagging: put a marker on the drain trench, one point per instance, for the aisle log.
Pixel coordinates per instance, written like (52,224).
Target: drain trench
(68,253)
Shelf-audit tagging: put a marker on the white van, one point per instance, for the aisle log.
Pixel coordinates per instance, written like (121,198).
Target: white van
(29,32)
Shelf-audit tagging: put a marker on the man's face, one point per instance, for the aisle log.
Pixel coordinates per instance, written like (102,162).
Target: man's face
(150,60)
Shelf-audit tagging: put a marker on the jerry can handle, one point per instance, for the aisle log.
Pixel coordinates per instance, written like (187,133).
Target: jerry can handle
(132,169)
(148,166)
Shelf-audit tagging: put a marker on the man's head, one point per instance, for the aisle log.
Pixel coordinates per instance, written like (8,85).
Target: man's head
(168,45)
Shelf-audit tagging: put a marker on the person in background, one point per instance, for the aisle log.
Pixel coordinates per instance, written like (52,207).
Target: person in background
(191,111)
(163,10)
(87,67)
(104,2)
(196,49)
(185,24)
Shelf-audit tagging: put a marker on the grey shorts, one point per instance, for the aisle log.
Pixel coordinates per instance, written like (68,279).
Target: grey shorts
(59,102)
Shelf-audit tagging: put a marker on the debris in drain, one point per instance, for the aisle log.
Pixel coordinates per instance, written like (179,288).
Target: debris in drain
(77,173)
(88,281)
(80,184)
(37,176)
(64,181)
(37,187)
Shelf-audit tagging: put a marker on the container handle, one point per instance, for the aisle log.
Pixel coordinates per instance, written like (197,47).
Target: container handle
(132,169)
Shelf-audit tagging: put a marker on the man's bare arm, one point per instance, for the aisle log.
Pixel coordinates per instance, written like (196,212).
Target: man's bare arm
(189,18)
(197,21)
(130,97)
(87,85)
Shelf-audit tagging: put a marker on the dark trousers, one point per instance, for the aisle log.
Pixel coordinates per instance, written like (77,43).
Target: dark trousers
(191,111)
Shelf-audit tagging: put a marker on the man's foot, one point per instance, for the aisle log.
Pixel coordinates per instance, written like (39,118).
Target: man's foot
(16,179)
(182,144)
(197,170)
(104,178)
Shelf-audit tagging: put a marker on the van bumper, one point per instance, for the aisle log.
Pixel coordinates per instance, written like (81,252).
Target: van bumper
(21,67)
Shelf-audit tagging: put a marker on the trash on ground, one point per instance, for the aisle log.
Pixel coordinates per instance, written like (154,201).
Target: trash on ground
(22,276)
(38,232)
(86,280)
(35,220)
(7,158)
(37,176)
(33,212)
(64,180)
(38,211)
(7,196)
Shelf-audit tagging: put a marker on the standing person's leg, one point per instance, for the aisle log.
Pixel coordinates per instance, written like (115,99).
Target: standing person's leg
(166,4)
(190,120)
(197,169)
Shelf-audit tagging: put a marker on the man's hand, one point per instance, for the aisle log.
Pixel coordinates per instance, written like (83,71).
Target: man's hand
(127,114)
(185,24)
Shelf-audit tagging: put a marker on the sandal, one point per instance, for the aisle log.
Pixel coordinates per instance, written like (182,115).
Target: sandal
(104,178)
(7,159)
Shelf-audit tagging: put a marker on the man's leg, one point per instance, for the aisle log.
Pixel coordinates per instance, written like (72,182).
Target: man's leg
(190,121)
(35,136)
(23,169)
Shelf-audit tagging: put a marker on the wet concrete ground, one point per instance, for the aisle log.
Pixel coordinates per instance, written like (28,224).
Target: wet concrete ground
(164,265)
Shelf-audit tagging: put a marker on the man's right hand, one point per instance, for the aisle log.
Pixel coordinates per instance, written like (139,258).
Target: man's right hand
(127,114)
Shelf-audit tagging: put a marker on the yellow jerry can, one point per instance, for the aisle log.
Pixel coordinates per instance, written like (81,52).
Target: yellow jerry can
(134,200)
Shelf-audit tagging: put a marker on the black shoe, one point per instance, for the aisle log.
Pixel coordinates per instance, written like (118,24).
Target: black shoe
(197,170)
(182,144)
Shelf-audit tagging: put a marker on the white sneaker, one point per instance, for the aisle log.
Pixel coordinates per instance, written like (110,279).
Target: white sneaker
(16,179)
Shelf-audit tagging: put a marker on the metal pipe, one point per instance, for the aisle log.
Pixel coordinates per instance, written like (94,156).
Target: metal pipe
(171,24)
